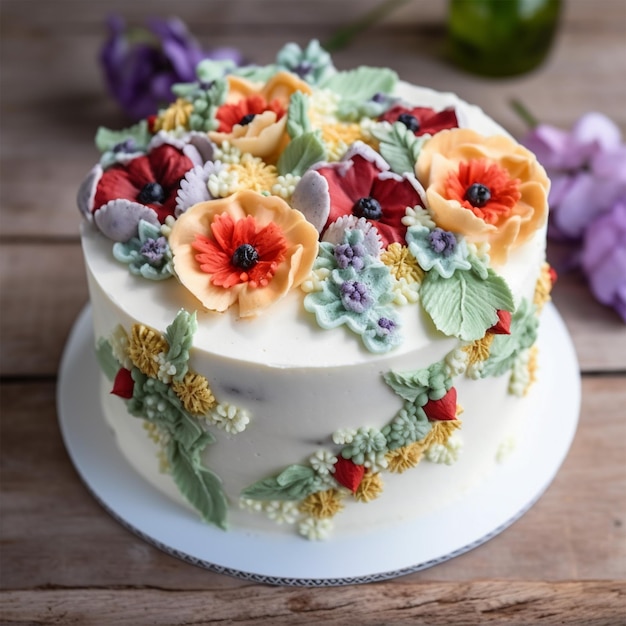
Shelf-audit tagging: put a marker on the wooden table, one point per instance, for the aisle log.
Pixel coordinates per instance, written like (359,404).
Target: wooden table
(64,560)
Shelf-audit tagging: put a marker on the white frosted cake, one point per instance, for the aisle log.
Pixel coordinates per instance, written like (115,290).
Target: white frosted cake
(315,294)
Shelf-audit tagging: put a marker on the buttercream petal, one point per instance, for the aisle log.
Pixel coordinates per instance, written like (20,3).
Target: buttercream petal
(87,192)
(119,219)
(312,198)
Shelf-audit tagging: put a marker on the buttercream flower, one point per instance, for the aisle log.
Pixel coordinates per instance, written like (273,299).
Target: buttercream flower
(361,184)
(587,167)
(604,257)
(144,188)
(140,66)
(261,128)
(247,249)
(313,64)
(438,249)
(485,188)
(421,120)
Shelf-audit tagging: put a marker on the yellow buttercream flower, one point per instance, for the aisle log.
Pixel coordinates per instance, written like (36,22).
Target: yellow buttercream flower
(404,458)
(486,188)
(543,287)
(338,137)
(194,393)
(144,347)
(479,350)
(370,487)
(175,116)
(440,432)
(322,505)
(401,263)
(248,249)
(254,174)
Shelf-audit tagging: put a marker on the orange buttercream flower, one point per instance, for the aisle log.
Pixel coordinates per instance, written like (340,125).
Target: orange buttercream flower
(261,129)
(486,188)
(246,248)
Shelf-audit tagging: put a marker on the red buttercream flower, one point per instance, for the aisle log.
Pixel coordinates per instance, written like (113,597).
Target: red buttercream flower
(151,180)
(239,253)
(243,111)
(362,185)
(422,120)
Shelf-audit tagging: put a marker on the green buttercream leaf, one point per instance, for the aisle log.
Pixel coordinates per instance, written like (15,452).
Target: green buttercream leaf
(409,385)
(361,84)
(107,139)
(300,154)
(179,336)
(293,483)
(200,486)
(188,432)
(399,146)
(297,115)
(464,305)
(209,70)
(107,362)
(505,349)
(256,73)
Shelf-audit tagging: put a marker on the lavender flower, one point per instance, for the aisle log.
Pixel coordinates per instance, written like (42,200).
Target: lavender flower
(141,65)
(604,257)
(587,167)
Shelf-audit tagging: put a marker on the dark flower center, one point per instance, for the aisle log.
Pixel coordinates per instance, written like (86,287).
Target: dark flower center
(128,145)
(153,250)
(368,207)
(246,119)
(304,68)
(152,193)
(355,296)
(478,195)
(245,257)
(410,121)
(386,325)
(442,242)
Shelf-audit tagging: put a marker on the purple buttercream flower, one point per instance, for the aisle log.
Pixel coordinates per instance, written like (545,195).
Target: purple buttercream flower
(141,65)
(604,257)
(350,255)
(587,167)
(355,296)
(442,241)
(153,250)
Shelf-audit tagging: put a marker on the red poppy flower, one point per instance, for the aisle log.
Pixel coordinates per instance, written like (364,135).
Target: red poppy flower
(151,180)
(243,111)
(422,120)
(362,185)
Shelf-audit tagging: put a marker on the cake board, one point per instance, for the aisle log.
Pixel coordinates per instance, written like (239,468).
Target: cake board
(285,559)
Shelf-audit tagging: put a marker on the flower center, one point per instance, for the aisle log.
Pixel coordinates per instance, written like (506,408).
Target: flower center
(442,242)
(152,193)
(478,195)
(368,207)
(246,119)
(126,146)
(153,250)
(245,257)
(355,296)
(410,121)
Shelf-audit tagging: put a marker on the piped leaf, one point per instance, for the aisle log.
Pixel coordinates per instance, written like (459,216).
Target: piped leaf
(293,483)
(297,115)
(179,336)
(399,146)
(300,154)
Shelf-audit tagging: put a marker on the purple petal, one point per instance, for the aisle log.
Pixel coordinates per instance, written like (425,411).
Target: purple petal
(119,219)
(549,144)
(597,129)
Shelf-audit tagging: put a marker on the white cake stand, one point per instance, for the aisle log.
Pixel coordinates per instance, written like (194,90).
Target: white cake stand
(475,518)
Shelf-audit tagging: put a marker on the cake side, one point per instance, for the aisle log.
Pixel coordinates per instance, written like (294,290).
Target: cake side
(340,283)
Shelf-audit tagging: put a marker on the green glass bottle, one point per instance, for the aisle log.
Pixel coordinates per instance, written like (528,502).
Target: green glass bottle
(501,37)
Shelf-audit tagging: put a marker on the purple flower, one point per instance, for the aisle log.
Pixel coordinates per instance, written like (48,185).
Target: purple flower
(350,255)
(587,167)
(442,242)
(604,257)
(141,65)
(153,250)
(355,296)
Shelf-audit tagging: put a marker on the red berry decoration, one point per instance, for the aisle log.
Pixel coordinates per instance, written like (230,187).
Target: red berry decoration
(503,325)
(443,409)
(123,384)
(348,474)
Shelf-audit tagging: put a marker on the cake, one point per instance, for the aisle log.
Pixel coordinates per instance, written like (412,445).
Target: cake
(315,295)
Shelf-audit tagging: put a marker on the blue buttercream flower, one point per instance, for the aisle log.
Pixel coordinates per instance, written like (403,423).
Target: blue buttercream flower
(147,255)
(313,64)
(438,250)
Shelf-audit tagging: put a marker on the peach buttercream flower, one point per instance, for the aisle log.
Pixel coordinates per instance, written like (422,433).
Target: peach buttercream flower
(246,248)
(261,129)
(487,188)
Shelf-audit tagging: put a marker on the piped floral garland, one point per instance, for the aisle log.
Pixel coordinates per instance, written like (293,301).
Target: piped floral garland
(257,180)
(151,373)
(425,427)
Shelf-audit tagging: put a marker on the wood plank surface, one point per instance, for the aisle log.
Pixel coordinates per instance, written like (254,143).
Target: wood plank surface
(63,559)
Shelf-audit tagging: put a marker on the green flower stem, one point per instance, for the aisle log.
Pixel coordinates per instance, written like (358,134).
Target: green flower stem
(526,116)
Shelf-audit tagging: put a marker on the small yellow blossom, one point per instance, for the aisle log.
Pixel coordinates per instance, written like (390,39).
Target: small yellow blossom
(404,458)
(194,393)
(440,432)
(337,137)
(254,174)
(144,348)
(175,116)
(401,263)
(370,488)
(479,350)
(321,505)
(543,288)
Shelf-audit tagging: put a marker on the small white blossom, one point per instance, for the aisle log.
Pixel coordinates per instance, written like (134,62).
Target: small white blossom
(229,418)
(323,105)
(166,369)
(248,504)
(166,228)
(446,453)
(323,462)
(456,362)
(223,183)
(315,529)
(405,292)
(285,186)
(368,126)
(480,250)
(475,370)
(315,280)
(418,216)
(282,512)
(505,449)
(344,436)
(520,376)
(119,346)
(375,461)
(227,153)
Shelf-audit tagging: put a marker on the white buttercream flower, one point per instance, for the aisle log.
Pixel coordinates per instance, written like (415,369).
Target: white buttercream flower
(315,280)
(405,292)
(248,504)
(418,216)
(344,436)
(230,418)
(456,362)
(119,346)
(285,186)
(223,183)
(166,369)
(446,453)
(282,512)
(315,529)
(323,462)
(227,153)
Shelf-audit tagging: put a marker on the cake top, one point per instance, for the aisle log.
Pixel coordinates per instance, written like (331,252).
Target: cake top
(356,191)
